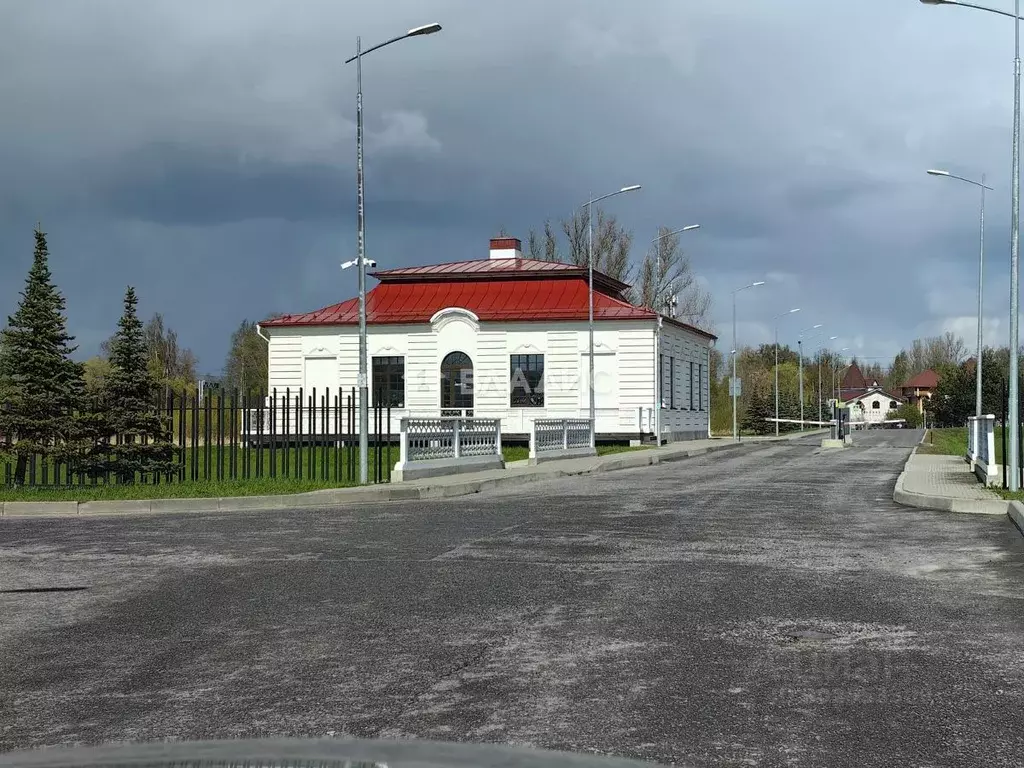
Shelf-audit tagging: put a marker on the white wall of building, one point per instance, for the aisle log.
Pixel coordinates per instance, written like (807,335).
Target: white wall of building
(685,383)
(875,407)
(624,363)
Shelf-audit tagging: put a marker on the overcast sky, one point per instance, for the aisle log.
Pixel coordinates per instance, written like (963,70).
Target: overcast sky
(204,151)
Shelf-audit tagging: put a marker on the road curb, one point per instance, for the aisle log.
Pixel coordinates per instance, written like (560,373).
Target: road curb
(1015,511)
(947,504)
(378,493)
(944,503)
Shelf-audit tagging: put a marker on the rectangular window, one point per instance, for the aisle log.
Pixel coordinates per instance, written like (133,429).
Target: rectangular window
(388,376)
(666,381)
(700,386)
(691,385)
(526,386)
(671,382)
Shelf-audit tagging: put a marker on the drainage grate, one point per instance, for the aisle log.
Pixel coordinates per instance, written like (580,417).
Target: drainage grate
(32,590)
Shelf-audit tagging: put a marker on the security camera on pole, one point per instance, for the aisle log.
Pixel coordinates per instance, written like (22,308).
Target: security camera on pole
(361,262)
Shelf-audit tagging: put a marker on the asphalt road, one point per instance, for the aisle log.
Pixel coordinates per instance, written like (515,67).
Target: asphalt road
(647,613)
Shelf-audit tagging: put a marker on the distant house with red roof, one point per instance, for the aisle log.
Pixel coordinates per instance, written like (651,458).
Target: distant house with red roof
(920,388)
(504,337)
(868,400)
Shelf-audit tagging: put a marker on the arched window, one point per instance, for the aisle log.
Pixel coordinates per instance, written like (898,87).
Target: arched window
(456,383)
(876,405)
(893,405)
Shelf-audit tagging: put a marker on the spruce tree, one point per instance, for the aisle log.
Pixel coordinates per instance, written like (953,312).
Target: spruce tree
(760,408)
(131,401)
(40,385)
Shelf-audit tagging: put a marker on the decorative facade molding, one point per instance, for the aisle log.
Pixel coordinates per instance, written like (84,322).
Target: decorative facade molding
(449,315)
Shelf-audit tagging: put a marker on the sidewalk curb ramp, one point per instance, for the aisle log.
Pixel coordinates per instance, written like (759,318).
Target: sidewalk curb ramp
(432,489)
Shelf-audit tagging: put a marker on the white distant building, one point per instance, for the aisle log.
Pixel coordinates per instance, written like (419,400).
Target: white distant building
(504,337)
(872,405)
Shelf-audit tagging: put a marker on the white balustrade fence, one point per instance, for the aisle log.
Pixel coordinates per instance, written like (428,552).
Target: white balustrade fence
(560,438)
(438,446)
(559,435)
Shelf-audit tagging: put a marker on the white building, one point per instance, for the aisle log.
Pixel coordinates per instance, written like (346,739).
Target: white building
(504,337)
(872,405)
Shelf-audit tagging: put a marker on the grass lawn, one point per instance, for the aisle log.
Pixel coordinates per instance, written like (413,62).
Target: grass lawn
(209,487)
(188,490)
(953,442)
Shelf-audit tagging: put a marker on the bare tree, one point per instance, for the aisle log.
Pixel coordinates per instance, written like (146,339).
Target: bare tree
(666,273)
(612,244)
(543,247)
(934,353)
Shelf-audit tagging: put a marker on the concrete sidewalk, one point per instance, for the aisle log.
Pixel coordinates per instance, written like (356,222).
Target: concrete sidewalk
(432,488)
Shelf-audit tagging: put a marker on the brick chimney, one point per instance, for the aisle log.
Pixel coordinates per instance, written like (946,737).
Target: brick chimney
(506,248)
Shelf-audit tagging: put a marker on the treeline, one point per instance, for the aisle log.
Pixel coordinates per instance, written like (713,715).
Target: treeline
(946,354)
(104,416)
(110,427)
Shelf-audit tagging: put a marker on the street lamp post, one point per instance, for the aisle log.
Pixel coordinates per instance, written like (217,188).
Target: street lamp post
(830,338)
(1013,415)
(776,319)
(735,352)
(669,306)
(364,408)
(835,376)
(800,348)
(590,301)
(659,238)
(981,279)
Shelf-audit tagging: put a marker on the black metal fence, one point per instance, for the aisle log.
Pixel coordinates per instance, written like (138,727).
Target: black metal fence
(1003,421)
(230,437)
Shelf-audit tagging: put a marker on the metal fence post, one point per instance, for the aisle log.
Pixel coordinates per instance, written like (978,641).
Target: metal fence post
(456,437)
(497,437)
(565,434)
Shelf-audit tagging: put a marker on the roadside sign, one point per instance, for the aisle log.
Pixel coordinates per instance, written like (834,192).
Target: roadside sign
(735,386)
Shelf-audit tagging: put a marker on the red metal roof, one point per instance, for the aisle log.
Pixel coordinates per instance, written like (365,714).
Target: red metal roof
(478,267)
(924,380)
(853,378)
(490,300)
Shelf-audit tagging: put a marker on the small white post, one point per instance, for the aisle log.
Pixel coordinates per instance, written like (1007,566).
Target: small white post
(972,439)
(990,444)
(403,453)
(533,439)
(455,437)
(565,434)
(497,437)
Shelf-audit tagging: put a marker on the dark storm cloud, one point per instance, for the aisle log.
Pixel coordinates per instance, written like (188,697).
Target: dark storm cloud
(206,153)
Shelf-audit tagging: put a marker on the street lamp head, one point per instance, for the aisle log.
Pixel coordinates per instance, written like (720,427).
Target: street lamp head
(832,338)
(632,188)
(426,29)
(794,310)
(759,282)
(939,2)
(934,172)
(690,228)
(815,327)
